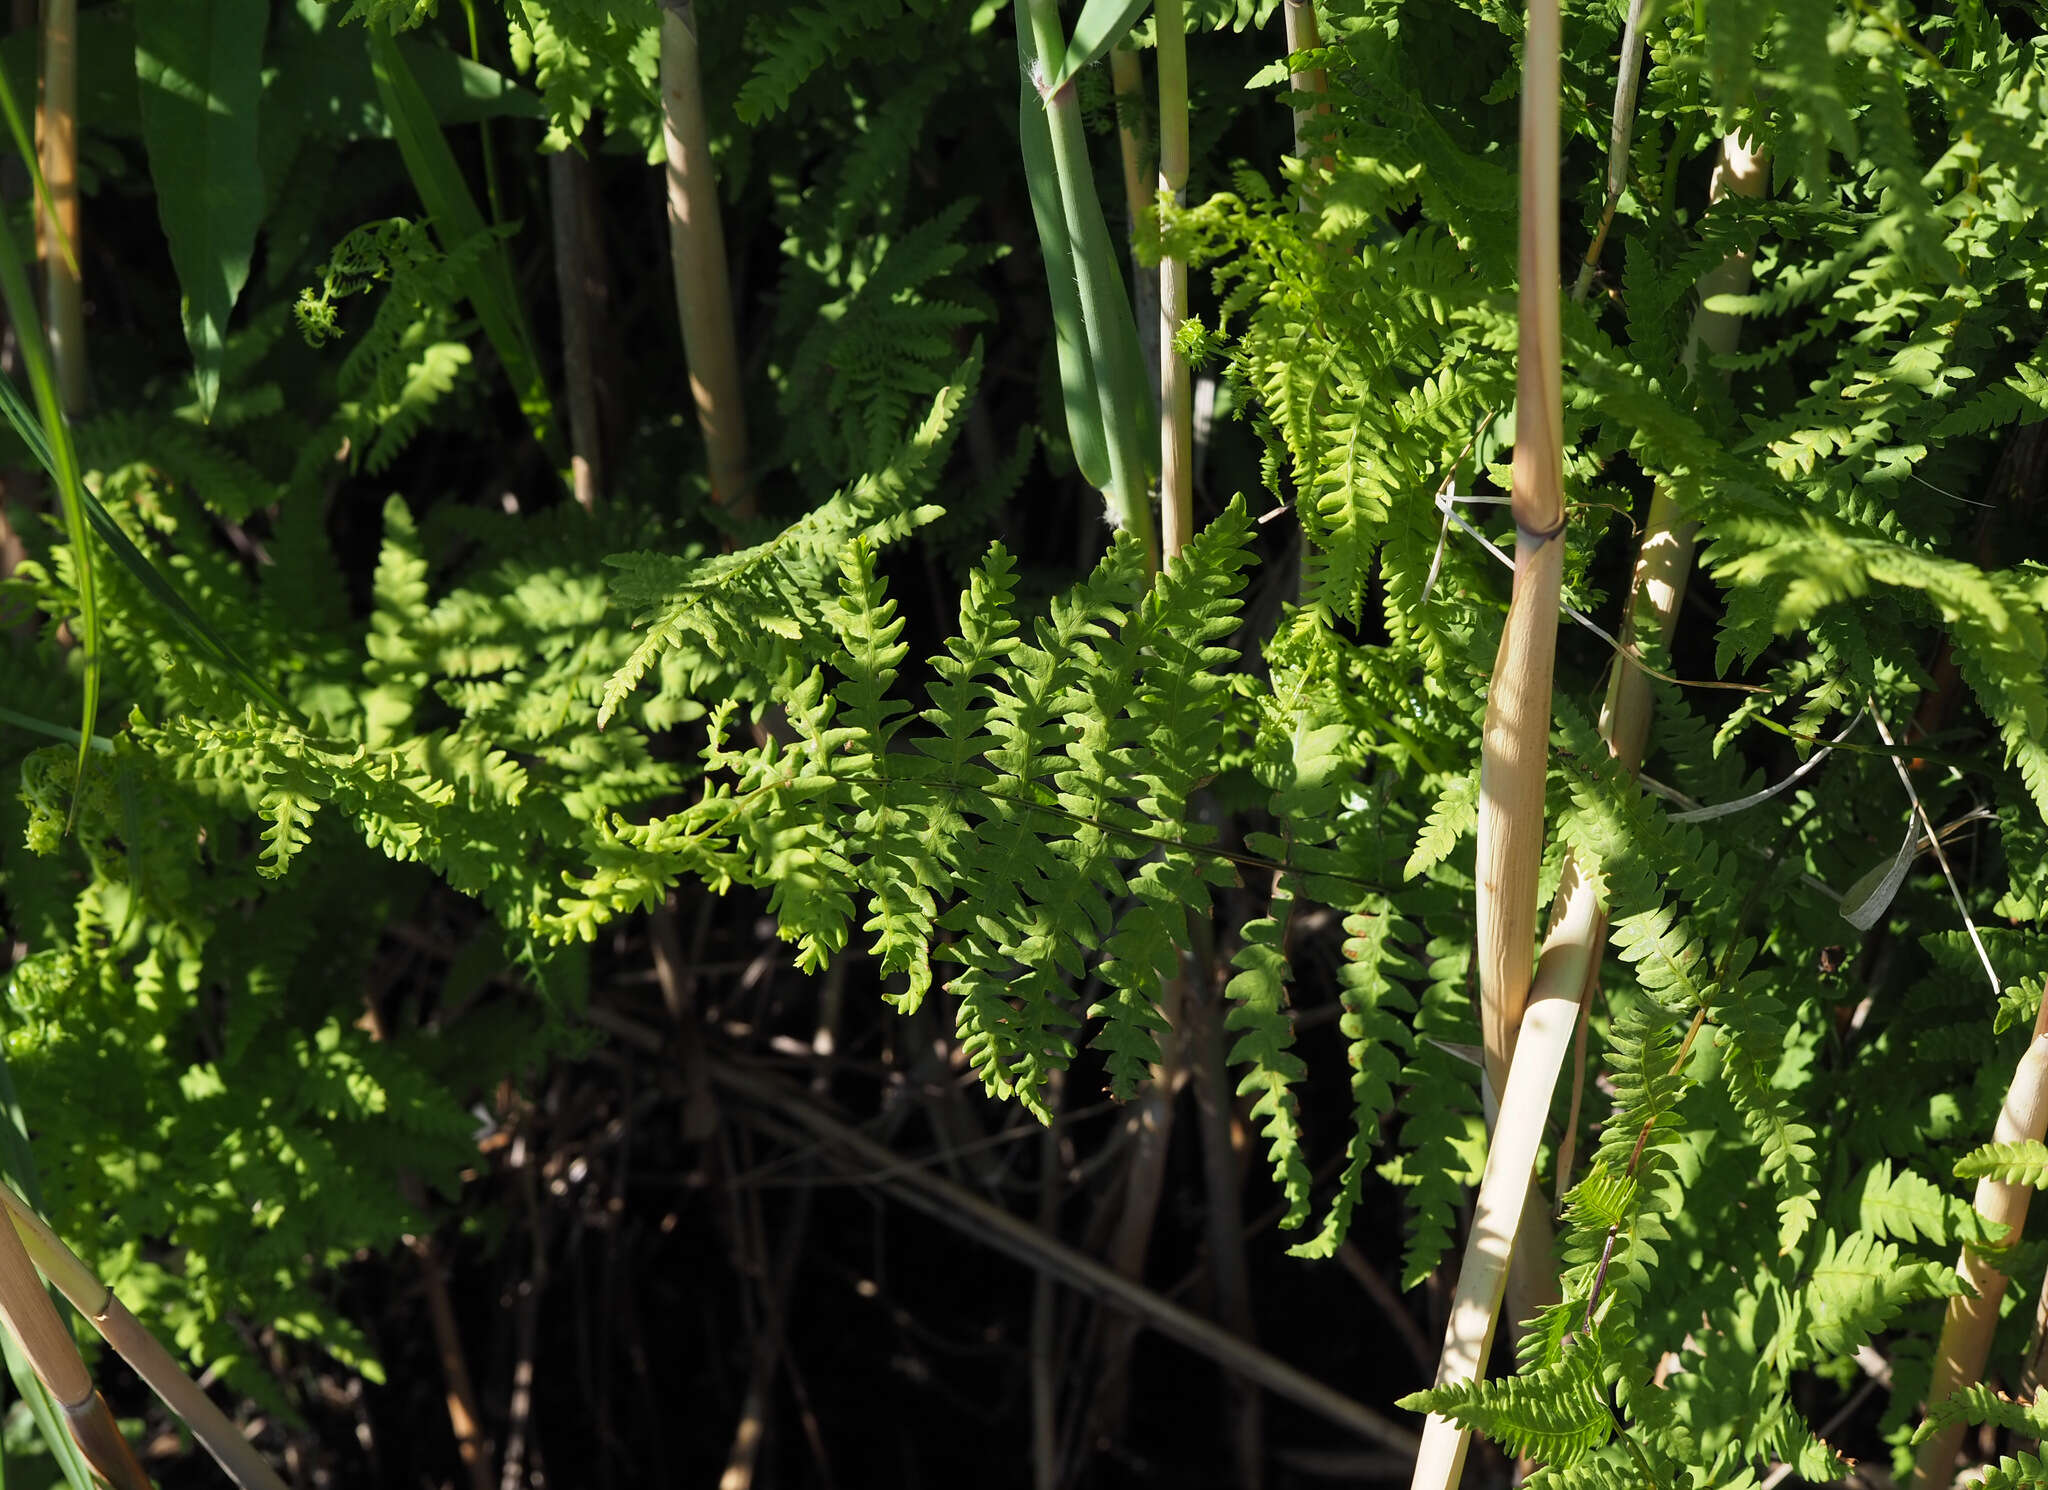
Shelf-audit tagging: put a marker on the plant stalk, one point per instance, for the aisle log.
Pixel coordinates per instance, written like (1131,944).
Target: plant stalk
(1128,498)
(64,297)
(1176,380)
(696,245)
(1516,740)
(1504,1186)
(1304,35)
(1105,314)
(1972,1317)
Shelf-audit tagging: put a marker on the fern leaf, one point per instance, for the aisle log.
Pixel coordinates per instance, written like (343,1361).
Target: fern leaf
(2024,1162)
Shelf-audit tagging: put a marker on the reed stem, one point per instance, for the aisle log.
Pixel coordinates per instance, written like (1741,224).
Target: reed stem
(1516,740)
(1514,759)
(1973,1316)
(696,244)
(1176,381)
(138,1347)
(1547,1029)
(1304,35)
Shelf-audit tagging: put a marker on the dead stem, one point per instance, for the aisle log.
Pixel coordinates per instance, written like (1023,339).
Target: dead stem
(992,1226)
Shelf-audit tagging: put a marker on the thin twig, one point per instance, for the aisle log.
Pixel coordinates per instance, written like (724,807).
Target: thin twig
(1940,854)
(1045,1372)
(1389,1302)
(976,1218)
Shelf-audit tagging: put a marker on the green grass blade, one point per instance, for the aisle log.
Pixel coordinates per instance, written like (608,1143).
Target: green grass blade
(137,564)
(438,179)
(18,1166)
(55,731)
(1100,26)
(199,71)
(35,355)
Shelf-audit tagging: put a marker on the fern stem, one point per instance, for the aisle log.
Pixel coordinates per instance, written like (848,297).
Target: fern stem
(138,1347)
(1973,1315)
(696,245)
(58,147)
(1176,386)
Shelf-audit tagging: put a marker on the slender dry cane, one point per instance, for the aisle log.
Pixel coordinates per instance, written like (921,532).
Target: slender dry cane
(1546,1036)
(1515,744)
(1176,403)
(1966,1332)
(33,1321)
(1304,35)
(1664,561)
(696,245)
(1126,78)
(1513,762)
(138,1347)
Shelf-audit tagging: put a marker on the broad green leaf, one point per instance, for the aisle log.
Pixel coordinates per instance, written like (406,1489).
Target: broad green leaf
(321,85)
(438,179)
(199,66)
(1070,341)
(1100,26)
